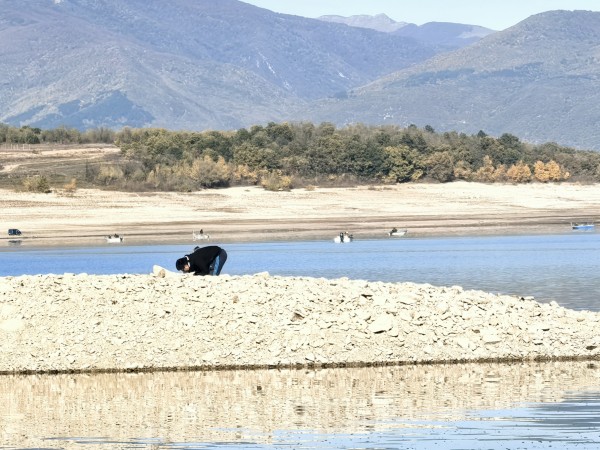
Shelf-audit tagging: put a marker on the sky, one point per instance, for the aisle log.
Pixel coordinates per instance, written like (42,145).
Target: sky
(494,14)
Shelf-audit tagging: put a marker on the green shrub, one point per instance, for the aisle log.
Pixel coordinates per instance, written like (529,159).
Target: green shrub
(37,184)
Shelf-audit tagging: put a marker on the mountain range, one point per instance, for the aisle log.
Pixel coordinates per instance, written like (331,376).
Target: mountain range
(538,80)
(208,64)
(445,35)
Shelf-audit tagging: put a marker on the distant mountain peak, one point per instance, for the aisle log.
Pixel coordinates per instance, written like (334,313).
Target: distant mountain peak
(442,35)
(378,22)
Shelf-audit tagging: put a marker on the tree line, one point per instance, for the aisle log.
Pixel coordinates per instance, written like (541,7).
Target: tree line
(286,155)
(61,135)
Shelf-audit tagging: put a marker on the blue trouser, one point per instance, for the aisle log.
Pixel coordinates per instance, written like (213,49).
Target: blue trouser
(218,262)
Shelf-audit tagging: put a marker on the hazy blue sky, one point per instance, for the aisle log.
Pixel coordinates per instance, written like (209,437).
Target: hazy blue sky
(494,14)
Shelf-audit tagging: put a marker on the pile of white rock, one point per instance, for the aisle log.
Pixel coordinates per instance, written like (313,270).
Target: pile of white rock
(163,320)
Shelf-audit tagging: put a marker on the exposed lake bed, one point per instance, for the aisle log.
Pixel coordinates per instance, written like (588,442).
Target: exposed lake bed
(253,214)
(518,404)
(505,405)
(80,322)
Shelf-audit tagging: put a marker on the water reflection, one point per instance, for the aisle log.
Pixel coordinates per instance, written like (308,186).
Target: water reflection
(368,406)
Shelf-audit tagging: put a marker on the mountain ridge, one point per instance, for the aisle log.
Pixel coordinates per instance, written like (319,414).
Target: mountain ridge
(204,63)
(379,22)
(440,34)
(201,64)
(525,80)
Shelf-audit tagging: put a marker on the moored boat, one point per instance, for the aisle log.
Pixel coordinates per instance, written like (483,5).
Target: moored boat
(396,232)
(114,238)
(200,235)
(582,226)
(343,238)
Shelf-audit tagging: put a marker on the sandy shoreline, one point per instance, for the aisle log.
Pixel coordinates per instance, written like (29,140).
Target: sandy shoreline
(254,214)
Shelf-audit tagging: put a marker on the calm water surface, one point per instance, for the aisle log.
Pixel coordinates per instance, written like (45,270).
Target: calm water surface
(479,406)
(466,406)
(563,268)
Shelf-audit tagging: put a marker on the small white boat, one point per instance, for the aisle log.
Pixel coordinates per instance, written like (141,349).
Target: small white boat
(582,226)
(343,238)
(114,239)
(200,235)
(397,233)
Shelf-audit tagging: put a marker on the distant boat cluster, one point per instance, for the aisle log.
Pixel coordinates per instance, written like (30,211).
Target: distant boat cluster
(345,237)
(15,235)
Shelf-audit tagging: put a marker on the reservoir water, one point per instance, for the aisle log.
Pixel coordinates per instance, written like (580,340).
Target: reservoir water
(463,406)
(562,267)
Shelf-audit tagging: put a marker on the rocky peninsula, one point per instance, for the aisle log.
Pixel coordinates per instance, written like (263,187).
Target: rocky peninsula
(169,321)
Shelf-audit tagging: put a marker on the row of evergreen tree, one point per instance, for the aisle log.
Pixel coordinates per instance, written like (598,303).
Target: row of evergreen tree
(285,155)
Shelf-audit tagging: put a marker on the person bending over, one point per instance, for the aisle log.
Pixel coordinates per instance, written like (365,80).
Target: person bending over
(203,261)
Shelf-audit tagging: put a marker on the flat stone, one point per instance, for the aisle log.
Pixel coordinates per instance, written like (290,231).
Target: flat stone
(381,324)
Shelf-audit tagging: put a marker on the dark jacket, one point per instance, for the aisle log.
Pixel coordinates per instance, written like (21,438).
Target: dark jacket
(201,259)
